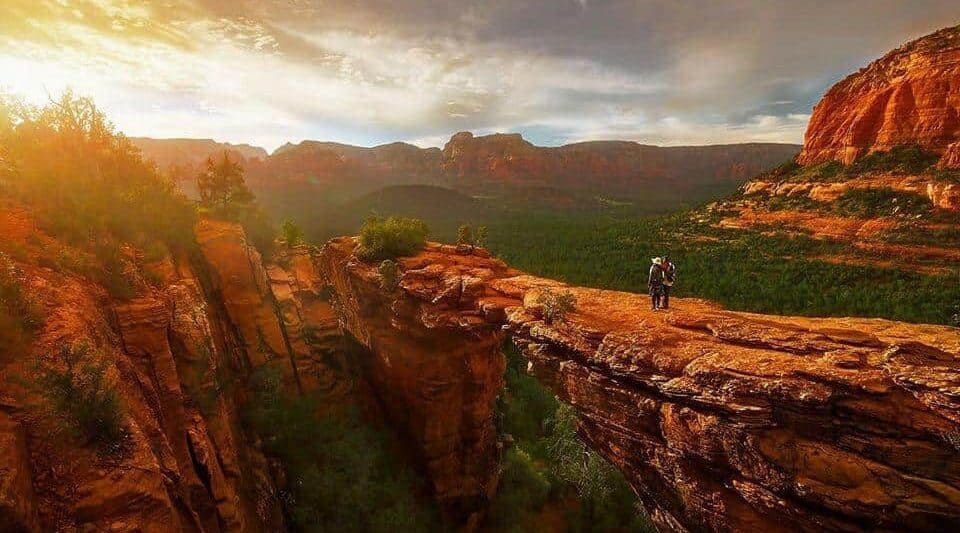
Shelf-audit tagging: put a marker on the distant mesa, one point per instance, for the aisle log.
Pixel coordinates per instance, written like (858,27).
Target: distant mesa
(470,161)
(166,152)
(910,96)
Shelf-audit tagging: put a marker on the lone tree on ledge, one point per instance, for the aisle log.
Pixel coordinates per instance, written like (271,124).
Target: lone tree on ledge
(221,185)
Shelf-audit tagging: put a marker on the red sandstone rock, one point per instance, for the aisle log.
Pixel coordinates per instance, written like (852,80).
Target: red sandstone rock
(18,508)
(721,421)
(911,96)
(951,157)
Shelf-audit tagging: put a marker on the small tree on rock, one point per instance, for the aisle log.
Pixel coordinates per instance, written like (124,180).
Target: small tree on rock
(221,185)
(481,238)
(292,233)
(556,305)
(464,235)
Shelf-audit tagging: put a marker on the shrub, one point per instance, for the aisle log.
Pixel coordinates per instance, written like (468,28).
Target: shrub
(342,474)
(573,463)
(523,490)
(97,183)
(782,171)
(291,232)
(556,305)
(391,238)
(389,275)
(481,238)
(111,273)
(884,201)
(901,159)
(18,315)
(464,235)
(81,395)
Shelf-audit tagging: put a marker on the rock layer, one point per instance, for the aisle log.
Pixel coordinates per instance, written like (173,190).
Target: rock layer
(911,96)
(180,355)
(721,421)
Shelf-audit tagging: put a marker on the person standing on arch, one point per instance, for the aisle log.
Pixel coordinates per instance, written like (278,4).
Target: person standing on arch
(655,283)
(669,274)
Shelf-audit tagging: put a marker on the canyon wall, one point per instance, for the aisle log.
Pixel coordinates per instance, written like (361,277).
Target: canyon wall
(721,421)
(472,161)
(911,96)
(179,355)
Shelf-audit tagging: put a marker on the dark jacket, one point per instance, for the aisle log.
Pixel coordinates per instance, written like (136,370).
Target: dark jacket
(655,279)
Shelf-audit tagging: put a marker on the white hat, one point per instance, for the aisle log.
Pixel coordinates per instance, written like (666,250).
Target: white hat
(657,260)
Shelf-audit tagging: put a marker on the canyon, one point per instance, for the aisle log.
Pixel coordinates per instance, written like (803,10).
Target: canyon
(721,421)
(475,162)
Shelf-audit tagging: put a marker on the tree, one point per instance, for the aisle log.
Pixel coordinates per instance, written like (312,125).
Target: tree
(480,239)
(221,185)
(292,233)
(464,235)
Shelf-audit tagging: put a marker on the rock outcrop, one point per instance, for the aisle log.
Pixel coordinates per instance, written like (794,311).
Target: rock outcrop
(179,355)
(436,376)
(911,96)
(721,421)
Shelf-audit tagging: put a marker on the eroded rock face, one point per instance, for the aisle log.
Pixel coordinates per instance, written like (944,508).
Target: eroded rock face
(911,96)
(721,421)
(434,387)
(179,355)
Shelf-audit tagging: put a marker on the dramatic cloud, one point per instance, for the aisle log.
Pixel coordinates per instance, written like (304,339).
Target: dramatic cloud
(271,71)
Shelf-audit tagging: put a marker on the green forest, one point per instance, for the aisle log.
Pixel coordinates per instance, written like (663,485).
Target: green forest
(766,271)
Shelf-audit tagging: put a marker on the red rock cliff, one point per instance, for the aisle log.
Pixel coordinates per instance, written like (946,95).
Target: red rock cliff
(721,421)
(911,96)
(175,354)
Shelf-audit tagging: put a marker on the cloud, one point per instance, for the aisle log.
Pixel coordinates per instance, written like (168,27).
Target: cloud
(269,71)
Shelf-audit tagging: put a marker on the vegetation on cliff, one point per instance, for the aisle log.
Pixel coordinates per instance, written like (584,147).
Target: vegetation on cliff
(88,186)
(391,237)
(78,392)
(548,469)
(341,473)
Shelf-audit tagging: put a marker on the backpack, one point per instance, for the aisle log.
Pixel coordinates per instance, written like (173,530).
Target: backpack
(668,273)
(656,274)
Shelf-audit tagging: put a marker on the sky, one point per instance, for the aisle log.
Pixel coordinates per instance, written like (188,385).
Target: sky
(266,72)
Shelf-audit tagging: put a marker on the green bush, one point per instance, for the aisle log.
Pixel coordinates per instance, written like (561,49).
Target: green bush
(292,233)
(389,275)
(523,490)
(19,317)
(556,305)
(391,238)
(77,390)
(901,159)
(342,474)
(481,237)
(879,202)
(464,235)
(541,427)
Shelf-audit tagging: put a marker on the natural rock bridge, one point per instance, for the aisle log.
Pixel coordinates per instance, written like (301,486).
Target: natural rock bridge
(721,421)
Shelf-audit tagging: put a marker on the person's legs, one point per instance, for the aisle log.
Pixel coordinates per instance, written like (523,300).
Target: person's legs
(654,299)
(665,300)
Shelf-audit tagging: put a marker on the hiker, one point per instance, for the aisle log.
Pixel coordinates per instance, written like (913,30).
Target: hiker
(655,283)
(669,274)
